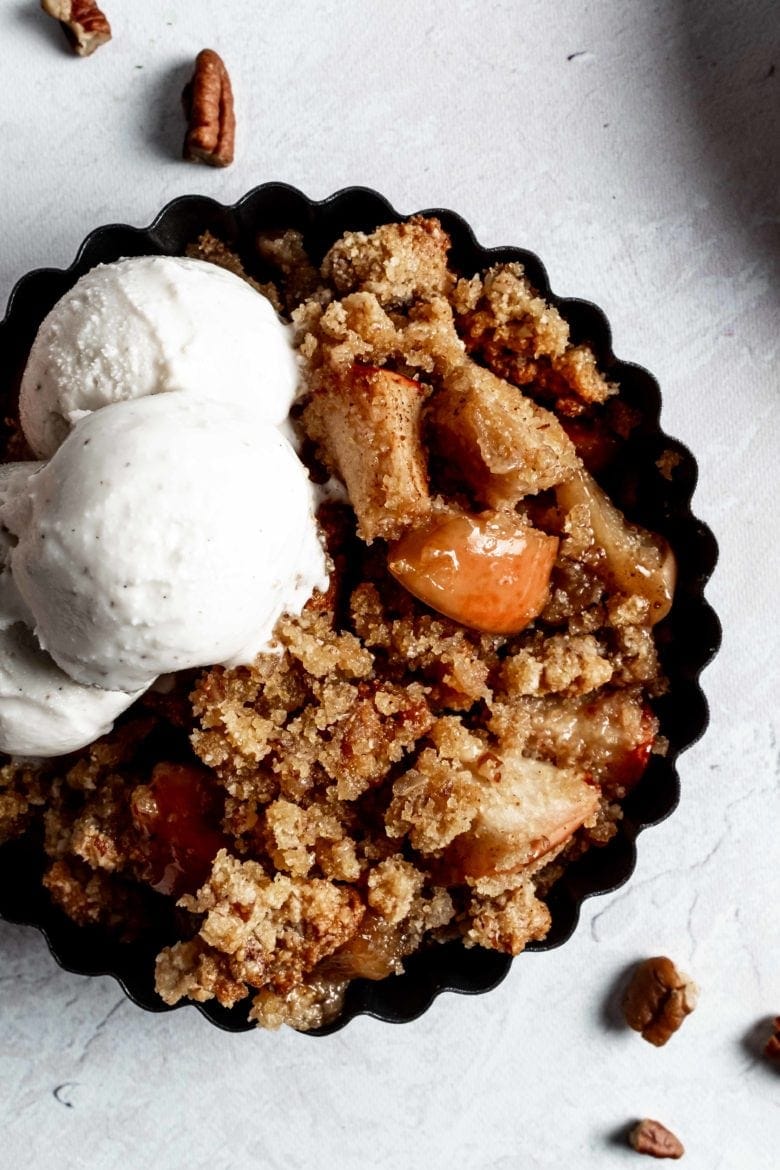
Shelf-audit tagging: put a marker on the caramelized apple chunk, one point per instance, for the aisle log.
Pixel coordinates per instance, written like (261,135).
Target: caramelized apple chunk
(530,809)
(489,572)
(633,561)
(485,808)
(179,814)
(366,424)
(609,734)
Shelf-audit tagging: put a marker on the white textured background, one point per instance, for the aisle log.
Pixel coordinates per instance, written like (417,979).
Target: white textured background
(645,171)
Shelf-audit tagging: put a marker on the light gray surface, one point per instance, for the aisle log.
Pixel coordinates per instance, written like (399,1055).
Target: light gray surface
(644,171)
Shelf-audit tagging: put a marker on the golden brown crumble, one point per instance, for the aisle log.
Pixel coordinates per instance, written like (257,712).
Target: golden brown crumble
(526,341)
(398,263)
(391,776)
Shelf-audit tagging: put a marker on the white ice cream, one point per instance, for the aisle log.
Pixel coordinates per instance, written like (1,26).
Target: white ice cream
(162,536)
(13,482)
(148,325)
(43,712)
(173,522)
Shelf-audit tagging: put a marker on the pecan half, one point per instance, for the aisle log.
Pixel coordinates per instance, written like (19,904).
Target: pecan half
(208,106)
(650,1137)
(85,26)
(658,999)
(772,1046)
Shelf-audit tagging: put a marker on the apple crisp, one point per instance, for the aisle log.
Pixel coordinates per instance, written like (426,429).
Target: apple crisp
(453,721)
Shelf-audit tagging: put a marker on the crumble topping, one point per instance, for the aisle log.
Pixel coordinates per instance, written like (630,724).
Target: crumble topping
(391,777)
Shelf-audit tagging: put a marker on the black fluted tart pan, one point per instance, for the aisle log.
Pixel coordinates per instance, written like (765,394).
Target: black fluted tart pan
(688,638)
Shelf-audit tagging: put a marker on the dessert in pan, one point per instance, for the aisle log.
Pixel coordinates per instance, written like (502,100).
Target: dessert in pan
(329,650)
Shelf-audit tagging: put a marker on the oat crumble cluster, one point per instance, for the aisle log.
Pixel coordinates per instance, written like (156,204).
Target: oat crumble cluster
(425,753)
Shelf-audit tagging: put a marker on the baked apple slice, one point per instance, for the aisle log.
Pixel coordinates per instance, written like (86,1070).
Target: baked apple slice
(490,572)
(635,561)
(531,810)
(366,424)
(178,814)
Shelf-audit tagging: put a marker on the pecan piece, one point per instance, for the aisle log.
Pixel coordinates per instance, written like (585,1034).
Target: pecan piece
(658,999)
(772,1046)
(208,106)
(650,1137)
(85,26)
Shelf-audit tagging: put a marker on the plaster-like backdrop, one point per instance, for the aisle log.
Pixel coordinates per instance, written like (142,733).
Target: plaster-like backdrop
(635,146)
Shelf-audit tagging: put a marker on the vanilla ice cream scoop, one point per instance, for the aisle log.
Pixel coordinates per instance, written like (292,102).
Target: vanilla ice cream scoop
(148,325)
(162,536)
(14,478)
(43,712)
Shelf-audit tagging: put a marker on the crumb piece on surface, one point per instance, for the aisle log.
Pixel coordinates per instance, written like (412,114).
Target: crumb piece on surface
(335,336)
(502,316)
(383,724)
(650,1137)
(658,999)
(429,340)
(240,714)
(15,814)
(92,898)
(295,834)
(635,658)
(324,653)
(453,661)
(306,1006)
(23,794)
(574,382)
(189,970)
(433,802)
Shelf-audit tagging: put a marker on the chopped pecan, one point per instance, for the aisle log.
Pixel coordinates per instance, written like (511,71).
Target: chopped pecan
(650,1137)
(208,106)
(772,1046)
(85,26)
(658,999)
